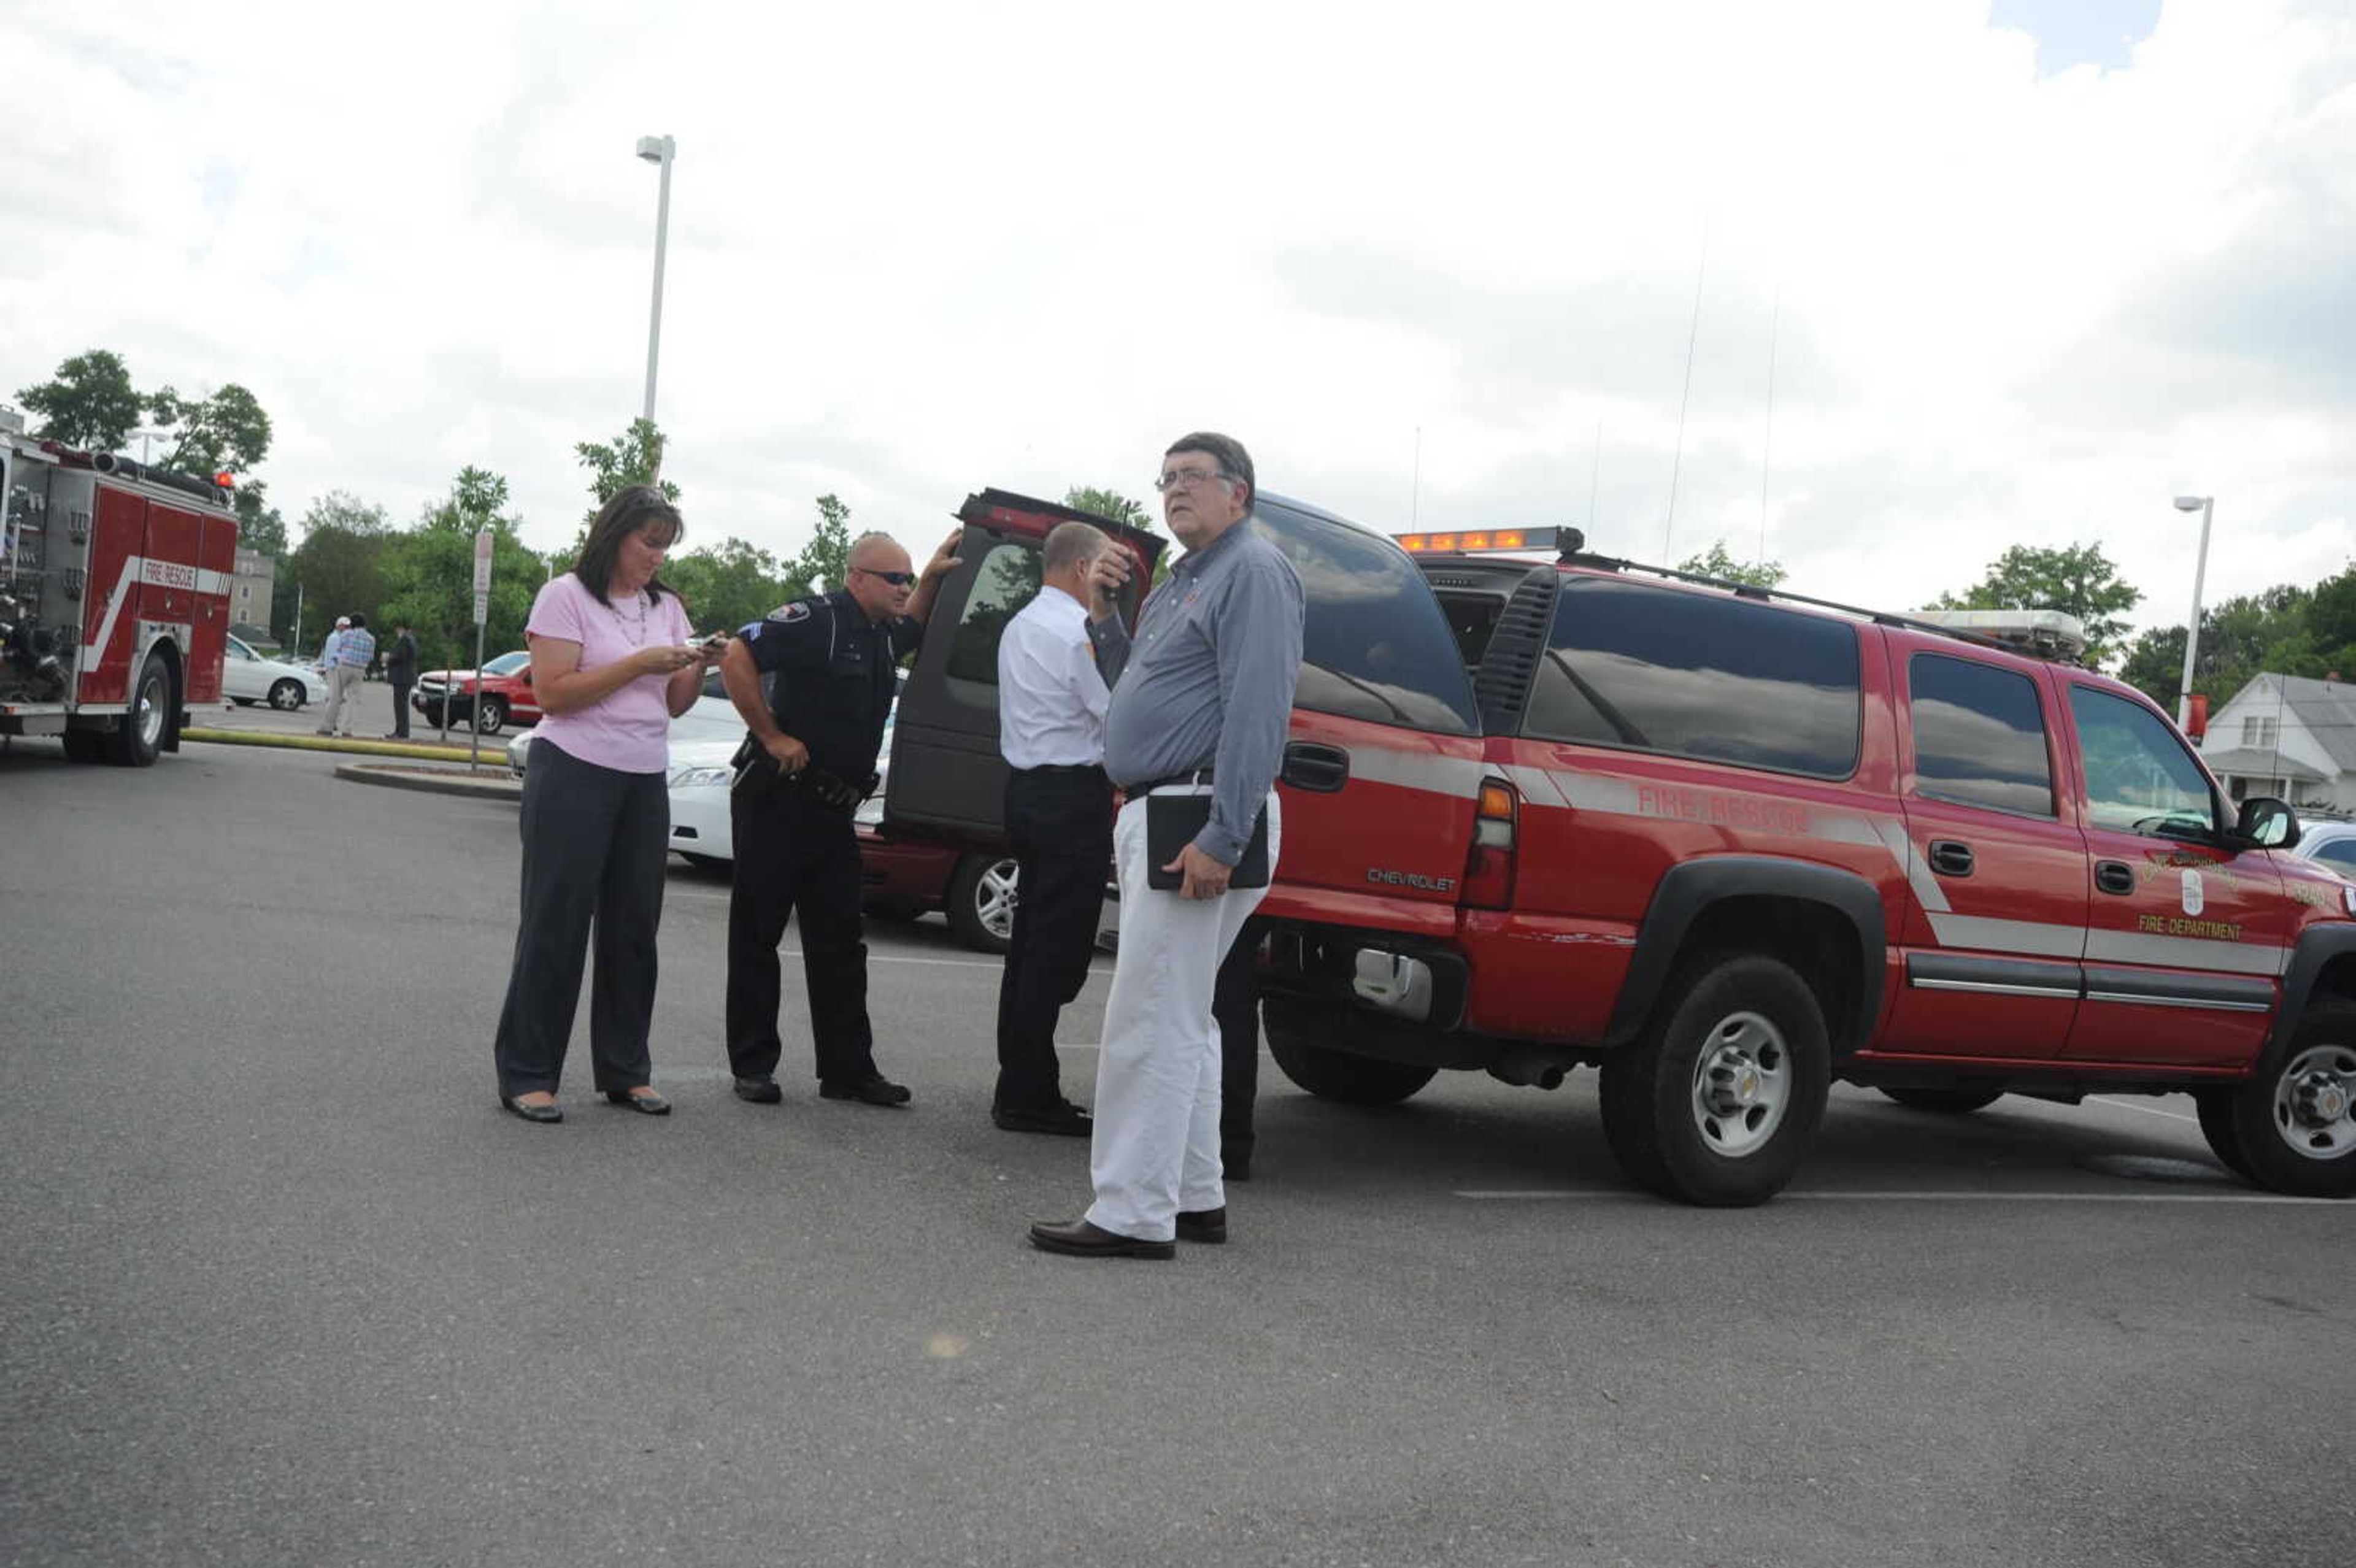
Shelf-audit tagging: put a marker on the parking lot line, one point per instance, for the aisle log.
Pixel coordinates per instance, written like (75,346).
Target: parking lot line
(2146,1110)
(1928,1197)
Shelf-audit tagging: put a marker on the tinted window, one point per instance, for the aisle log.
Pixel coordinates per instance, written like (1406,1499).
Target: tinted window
(2139,777)
(1007,579)
(1655,670)
(1979,736)
(2338,852)
(1375,644)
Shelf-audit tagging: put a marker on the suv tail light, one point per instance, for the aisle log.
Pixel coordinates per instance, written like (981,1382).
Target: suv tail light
(1489,869)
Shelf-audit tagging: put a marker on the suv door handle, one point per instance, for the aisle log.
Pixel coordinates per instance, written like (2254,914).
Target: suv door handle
(1318,768)
(2114,876)
(1951,857)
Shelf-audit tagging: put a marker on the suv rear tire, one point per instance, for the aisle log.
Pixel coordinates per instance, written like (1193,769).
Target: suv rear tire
(1334,1074)
(2293,1123)
(1714,1104)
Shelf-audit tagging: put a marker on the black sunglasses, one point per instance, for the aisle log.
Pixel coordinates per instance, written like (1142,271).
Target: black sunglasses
(896,578)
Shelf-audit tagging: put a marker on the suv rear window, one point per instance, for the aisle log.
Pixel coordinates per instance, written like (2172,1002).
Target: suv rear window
(1375,644)
(1641,668)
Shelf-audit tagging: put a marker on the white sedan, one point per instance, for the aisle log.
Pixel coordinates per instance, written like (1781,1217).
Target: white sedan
(247,678)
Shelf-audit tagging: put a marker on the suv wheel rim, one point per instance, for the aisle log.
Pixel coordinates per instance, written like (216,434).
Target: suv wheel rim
(1742,1083)
(2314,1102)
(994,898)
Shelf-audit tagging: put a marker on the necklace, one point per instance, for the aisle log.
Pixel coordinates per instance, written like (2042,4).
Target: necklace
(635,625)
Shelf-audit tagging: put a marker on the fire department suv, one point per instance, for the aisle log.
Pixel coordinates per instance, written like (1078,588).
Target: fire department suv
(114,597)
(1728,846)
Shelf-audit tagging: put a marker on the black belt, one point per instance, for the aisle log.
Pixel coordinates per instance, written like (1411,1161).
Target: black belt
(1094,768)
(1192,776)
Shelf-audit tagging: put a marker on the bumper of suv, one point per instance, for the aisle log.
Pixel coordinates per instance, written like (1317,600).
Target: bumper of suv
(1370,972)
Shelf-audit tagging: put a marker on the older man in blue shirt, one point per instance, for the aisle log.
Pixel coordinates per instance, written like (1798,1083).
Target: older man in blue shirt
(1201,701)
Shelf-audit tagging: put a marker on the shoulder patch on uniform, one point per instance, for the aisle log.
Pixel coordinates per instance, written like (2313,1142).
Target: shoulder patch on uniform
(797,611)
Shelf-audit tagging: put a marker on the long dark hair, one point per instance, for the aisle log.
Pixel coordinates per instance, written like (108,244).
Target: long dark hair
(630,509)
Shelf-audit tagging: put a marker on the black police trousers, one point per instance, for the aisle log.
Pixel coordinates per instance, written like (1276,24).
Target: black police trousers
(794,856)
(1059,821)
(1234,1003)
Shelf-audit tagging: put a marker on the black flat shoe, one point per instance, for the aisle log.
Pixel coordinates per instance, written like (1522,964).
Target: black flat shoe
(1063,1120)
(1206,1225)
(761,1091)
(1079,1239)
(551,1112)
(872,1090)
(645,1104)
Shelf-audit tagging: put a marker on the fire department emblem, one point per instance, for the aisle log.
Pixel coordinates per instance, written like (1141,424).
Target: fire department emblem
(2196,898)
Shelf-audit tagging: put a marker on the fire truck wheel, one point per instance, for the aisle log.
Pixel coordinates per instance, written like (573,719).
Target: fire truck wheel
(286,696)
(2296,1116)
(1946,1102)
(139,739)
(1292,1027)
(490,715)
(1715,1102)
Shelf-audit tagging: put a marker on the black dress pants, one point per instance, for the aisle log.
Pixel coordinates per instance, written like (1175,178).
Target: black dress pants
(1234,1003)
(796,854)
(401,684)
(593,846)
(1059,821)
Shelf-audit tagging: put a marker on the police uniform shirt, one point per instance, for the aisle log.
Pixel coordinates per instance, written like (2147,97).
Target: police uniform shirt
(835,674)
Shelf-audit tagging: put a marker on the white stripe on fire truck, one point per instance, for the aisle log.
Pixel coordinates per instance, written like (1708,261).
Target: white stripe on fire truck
(131,566)
(1457,777)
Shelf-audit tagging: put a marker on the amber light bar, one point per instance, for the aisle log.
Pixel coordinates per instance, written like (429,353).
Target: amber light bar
(1470,539)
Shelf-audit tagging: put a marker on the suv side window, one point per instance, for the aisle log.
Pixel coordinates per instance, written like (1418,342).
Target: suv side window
(1641,668)
(1375,643)
(1979,736)
(2139,778)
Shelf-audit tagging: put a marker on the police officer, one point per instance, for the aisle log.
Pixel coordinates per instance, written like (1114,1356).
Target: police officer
(806,765)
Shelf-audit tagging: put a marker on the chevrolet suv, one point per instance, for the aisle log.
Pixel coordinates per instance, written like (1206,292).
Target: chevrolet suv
(1727,845)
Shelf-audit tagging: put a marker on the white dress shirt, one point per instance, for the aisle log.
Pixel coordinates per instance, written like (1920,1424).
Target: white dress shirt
(1051,699)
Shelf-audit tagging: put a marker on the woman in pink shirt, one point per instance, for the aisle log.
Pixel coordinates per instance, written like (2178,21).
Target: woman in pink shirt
(612,660)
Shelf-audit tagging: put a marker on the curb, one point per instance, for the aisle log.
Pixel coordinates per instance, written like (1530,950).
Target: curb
(452,783)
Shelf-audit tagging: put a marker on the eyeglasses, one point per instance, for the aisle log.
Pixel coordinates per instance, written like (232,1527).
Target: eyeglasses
(896,578)
(1189,477)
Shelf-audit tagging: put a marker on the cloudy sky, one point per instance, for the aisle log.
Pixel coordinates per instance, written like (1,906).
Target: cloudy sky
(1951,274)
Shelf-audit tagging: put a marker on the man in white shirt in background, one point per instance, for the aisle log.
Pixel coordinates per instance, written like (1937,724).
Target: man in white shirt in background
(328,649)
(1051,714)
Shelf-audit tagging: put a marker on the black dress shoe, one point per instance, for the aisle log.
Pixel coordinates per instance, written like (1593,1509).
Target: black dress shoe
(1207,1225)
(872,1090)
(551,1112)
(1063,1119)
(1081,1240)
(761,1091)
(647,1105)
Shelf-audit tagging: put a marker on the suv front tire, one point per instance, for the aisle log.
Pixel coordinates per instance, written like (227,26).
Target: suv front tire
(2291,1128)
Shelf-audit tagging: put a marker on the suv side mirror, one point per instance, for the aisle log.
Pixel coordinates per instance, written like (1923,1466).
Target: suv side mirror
(2267,824)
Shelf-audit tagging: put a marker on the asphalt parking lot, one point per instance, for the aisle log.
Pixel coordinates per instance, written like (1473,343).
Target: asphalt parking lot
(285,1286)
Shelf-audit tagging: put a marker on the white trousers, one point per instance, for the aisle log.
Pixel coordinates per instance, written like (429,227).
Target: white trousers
(340,681)
(1155,1149)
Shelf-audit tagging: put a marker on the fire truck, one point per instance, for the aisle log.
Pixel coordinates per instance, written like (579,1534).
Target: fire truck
(114,597)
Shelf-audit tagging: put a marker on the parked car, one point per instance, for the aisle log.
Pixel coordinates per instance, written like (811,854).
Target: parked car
(1729,846)
(507,694)
(247,678)
(2331,843)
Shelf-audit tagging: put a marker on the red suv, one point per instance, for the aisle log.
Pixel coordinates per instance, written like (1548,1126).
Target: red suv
(507,694)
(1728,846)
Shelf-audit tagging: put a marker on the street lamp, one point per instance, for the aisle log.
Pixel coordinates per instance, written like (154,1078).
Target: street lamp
(2201,504)
(658,151)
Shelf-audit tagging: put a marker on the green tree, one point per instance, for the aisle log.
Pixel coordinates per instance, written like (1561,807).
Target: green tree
(334,571)
(259,525)
(2285,630)
(88,403)
(633,457)
(728,584)
(2080,580)
(1110,504)
(827,557)
(1716,561)
(428,573)
(226,430)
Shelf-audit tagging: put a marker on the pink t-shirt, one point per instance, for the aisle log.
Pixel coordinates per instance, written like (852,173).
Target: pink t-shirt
(627,731)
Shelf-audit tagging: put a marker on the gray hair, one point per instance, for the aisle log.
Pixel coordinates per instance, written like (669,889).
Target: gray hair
(1069,543)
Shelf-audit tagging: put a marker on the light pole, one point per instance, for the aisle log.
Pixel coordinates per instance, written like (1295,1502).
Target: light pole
(658,151)
(2201,504)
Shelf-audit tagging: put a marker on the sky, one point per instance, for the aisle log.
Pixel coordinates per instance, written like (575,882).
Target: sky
(1873,290)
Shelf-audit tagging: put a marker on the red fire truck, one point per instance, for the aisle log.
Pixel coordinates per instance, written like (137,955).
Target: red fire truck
(114,597)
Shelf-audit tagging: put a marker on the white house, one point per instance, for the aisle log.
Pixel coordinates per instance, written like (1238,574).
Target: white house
(2288,737)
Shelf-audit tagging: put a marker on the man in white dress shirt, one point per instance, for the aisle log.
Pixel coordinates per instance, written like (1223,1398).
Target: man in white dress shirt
(1050,715)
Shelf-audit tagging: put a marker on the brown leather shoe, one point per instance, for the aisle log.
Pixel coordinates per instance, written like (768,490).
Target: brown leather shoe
(1208,1225)
(1080,1239)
